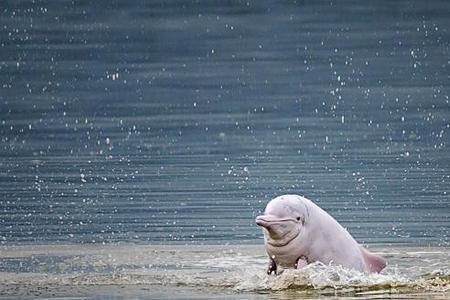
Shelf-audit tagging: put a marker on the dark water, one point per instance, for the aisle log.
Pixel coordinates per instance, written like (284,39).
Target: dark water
(176,121)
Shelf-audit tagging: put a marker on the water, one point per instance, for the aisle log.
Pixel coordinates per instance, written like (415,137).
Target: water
(173,123)
(124,271)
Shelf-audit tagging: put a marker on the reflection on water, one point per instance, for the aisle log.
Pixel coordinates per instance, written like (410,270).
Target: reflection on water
(176,121)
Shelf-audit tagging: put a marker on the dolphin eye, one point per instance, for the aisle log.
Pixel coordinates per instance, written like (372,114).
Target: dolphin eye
(298,218)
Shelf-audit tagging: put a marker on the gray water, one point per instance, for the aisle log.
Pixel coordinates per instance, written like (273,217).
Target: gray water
(175,122)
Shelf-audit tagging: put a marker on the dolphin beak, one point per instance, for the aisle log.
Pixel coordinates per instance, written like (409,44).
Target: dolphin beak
(269,221)
(261,221)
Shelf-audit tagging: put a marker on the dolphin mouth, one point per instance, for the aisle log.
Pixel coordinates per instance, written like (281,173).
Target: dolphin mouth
(260,221)
(266,221)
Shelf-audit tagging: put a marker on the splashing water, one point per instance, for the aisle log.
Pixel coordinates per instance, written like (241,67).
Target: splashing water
(63,270)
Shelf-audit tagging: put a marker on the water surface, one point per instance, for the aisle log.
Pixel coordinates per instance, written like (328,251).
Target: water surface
(215,271)
(173,123)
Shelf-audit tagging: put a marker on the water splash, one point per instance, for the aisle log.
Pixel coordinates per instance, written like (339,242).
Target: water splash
(237,269)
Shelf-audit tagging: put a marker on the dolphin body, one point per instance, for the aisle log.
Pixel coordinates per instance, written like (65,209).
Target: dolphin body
(298,232)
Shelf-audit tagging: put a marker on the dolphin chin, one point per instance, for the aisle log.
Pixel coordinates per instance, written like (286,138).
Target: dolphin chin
(282,242)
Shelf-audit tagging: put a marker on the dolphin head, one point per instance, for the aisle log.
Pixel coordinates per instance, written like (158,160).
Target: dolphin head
(282,220)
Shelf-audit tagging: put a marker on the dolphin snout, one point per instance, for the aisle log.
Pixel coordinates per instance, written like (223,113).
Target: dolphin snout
(267,221)
(261,221)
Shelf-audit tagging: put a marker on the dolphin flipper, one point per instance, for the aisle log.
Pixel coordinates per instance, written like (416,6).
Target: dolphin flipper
(272,268)
(374,263)
(302,262)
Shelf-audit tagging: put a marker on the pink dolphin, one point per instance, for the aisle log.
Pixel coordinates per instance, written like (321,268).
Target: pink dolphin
(298,232)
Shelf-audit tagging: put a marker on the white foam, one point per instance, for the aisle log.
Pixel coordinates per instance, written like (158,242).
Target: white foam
(235,269)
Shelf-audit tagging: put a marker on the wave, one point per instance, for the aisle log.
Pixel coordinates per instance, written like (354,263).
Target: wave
(238,269)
